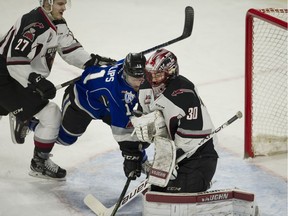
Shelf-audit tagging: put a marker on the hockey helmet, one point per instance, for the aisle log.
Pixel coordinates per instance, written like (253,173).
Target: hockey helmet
(51,2)
(134,65)
(160,67)
(41,2)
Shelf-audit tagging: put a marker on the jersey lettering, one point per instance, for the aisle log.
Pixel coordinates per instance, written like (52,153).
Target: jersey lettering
(22,44)
(111,73)
(50,56)
(192,113)
(128,112)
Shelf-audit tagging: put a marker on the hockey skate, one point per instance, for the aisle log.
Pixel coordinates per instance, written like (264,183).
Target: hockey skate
(18,129)
(43,167)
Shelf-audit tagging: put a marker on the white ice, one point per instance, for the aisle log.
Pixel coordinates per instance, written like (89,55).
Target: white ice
(213,58)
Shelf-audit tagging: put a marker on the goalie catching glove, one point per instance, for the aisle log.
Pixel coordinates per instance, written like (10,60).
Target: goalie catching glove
(150,125)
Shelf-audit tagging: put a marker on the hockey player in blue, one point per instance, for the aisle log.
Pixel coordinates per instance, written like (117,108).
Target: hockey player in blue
(108,94)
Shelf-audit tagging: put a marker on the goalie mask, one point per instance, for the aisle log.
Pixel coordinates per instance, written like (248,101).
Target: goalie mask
(160,68)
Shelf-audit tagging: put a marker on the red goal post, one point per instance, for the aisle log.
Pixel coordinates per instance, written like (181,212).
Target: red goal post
(266,82)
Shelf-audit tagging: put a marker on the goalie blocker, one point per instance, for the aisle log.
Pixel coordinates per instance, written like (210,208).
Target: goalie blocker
(217,202)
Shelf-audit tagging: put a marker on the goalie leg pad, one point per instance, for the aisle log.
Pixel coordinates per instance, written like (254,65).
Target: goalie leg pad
(217,202)
(164,162)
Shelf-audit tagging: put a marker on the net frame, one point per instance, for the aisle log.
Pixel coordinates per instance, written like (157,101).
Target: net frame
(262,45)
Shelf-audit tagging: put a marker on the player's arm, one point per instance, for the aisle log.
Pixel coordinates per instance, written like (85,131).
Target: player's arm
(73,52)
(193,126)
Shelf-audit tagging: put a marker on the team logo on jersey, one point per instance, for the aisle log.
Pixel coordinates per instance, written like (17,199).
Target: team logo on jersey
(128,96)
(50,56)
(50,37)
(181,91)
(30,34)
(29,31)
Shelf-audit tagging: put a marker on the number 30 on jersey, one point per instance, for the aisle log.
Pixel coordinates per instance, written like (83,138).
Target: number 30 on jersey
(192,113)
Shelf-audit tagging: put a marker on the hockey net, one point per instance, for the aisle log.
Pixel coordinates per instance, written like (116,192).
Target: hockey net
(266,82)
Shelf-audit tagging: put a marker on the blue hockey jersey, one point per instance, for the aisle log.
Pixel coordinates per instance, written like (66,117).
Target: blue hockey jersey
(103,91)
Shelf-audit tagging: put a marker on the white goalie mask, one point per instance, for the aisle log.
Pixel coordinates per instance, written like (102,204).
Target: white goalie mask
(161,67)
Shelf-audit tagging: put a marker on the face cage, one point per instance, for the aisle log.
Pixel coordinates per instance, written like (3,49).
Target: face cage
(41,2)
(149,77)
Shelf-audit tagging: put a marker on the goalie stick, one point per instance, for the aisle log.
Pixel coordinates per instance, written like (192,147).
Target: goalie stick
(188,26)
(98,208)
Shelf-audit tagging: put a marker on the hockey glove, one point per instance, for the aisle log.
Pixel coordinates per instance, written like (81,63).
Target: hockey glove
(97,60)
(43,86)
(132,162)
(150,125)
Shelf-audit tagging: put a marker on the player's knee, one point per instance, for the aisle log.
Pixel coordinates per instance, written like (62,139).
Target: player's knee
(50,115)
(66,138)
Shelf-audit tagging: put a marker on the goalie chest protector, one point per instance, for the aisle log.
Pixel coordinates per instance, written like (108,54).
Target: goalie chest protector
(217,202)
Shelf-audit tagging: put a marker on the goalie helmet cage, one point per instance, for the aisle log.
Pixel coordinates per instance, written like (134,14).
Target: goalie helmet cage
(266,82)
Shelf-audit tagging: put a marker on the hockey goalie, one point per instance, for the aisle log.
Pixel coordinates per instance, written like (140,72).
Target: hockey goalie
(176,120)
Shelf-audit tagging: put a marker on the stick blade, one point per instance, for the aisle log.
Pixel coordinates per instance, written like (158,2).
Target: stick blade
(189,21)
(96,206)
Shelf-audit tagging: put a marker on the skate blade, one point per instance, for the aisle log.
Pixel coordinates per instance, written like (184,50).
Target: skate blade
(40,175)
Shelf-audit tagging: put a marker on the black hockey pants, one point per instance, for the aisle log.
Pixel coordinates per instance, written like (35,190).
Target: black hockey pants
(193,176)
(22,102)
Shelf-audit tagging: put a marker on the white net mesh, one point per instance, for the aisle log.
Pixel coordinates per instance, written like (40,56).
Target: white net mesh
(269,85)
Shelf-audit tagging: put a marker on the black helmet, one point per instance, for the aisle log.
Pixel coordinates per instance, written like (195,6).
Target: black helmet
(134,65)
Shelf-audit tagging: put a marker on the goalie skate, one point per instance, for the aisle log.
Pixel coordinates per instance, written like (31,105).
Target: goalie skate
(18,129)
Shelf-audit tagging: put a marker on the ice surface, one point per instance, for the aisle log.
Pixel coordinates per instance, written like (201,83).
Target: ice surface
(213,58)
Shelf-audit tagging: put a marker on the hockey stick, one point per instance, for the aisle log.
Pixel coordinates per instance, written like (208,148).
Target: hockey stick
(97,207)
(188,26)
(67,83)
(188,154)
(123,193)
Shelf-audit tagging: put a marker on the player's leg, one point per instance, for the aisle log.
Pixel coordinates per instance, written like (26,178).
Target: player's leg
(45,136)
(193,176)
(21,103)
(3,112)
(74,120)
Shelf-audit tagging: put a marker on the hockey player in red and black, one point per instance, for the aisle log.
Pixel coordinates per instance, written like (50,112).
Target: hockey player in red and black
(108,94)
(27,53)
(186,118)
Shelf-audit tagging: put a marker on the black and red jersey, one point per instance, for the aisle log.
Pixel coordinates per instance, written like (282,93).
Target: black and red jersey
(31,45)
